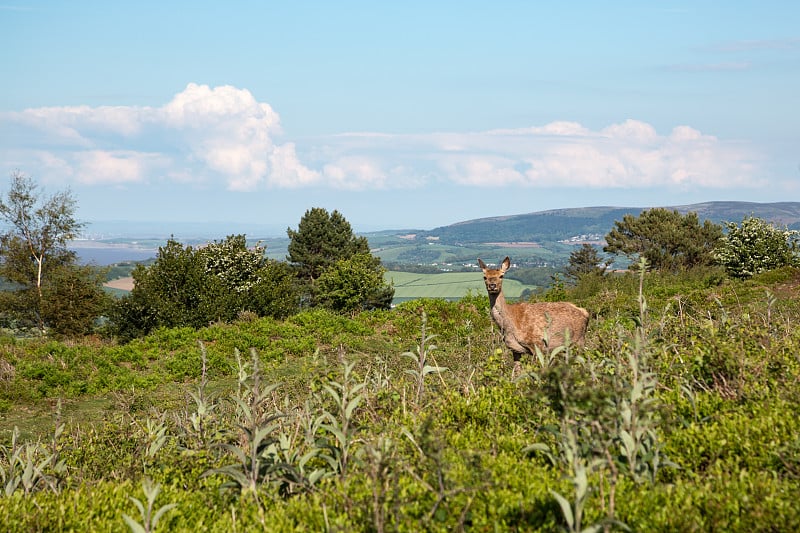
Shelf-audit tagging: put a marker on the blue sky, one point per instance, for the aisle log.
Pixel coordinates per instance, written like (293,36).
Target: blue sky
(410,114)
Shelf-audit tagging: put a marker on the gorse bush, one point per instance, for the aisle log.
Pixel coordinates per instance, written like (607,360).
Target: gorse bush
(676,415)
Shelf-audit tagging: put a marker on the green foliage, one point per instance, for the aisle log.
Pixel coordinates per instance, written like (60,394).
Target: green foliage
(51,292)
(320,428)
(150,516)
(275,294)
(755,246)
(667,239)
(354,284)
(419,357)
(322,239)
(73,300)
(585,261)
(340,423)
(335,266)
(188,287)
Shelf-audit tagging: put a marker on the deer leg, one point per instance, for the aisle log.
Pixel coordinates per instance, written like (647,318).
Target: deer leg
(517,370)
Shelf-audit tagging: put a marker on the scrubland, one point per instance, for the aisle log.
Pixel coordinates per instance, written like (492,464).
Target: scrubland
(679,414)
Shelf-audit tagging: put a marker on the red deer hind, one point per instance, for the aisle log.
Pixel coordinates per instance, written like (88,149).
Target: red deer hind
(525,325)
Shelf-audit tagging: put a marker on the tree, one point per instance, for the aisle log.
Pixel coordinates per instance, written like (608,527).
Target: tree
(667,239)
(276,294)
(354,284)
(73,299)
(756,246)
(34,256)
(325,242)
(193,287)
(167,293)
(320,240)
(585,260)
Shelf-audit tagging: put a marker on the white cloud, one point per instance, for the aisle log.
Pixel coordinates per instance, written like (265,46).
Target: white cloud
(630,154)
(626,155)
(287,170)
(97,166)
(225,137)
(206,134)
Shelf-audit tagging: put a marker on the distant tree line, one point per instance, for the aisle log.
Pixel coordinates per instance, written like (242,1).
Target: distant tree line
(670,241)
(327,266)
(48,292)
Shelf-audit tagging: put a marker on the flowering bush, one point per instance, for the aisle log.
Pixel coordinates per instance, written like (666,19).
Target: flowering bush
(756,246)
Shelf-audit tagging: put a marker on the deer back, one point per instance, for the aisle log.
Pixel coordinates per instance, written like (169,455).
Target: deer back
(532,322)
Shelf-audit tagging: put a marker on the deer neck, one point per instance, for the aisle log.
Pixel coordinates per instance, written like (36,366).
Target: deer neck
(499,310)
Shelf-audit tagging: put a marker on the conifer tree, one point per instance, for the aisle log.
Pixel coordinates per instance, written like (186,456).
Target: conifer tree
(667,239)
(585,260)
(320,240)
(324,248)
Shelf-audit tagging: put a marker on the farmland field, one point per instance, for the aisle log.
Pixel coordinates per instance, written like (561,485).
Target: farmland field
(447,285)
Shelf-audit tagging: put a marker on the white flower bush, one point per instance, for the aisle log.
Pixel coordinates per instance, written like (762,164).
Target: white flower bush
(756,246)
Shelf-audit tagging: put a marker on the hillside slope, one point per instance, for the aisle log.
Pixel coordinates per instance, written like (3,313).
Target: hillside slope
(561,224)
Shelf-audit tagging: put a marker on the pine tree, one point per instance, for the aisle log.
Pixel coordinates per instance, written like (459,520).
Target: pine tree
(322,239)
(585,260)
(667,239)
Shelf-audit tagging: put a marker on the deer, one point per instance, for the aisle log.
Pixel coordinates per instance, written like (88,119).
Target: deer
(528,326)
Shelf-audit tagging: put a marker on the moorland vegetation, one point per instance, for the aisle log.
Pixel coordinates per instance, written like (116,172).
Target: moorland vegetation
(677,414)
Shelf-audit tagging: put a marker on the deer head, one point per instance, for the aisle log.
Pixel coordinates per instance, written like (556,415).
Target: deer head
(494,277)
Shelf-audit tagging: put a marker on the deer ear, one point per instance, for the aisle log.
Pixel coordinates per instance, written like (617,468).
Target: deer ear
(506,264)
(481,264)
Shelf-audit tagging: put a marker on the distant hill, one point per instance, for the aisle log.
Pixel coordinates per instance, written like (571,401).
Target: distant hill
(564,224)
(544,238)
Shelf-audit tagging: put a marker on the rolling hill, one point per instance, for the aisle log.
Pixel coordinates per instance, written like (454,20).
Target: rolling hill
(544,238)
(564,224)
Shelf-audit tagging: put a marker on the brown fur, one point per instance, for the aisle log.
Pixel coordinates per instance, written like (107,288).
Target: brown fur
(523,325)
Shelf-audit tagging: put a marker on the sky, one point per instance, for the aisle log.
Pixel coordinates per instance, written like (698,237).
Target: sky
(414,114)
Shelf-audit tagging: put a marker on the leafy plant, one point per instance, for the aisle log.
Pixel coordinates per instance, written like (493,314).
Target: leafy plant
(198,425)
(419,357)
(340,423)
(29,467)
(149,515)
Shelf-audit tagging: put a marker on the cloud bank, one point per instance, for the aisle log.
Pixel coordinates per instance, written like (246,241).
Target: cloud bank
(222,137)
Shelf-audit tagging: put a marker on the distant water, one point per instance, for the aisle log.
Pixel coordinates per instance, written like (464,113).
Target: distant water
(104,254)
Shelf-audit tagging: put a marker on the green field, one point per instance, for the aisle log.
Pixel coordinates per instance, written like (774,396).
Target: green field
(447,285)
